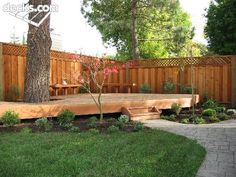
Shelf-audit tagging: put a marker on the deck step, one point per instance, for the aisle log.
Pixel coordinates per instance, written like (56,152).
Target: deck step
(141,113)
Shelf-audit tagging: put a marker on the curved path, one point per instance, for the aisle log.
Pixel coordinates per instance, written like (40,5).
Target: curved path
(219,139)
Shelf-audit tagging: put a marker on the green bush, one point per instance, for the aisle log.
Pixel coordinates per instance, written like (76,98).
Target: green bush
(112,129)
(92,122)
(222,116)
(93,131)
(185,121)
(168,86)
(67,126)
(210,104)
(214,119)
(185,89)
(10,118)
(44,124)
(199,120)
(176,108)
(124,119)
(74,129)
(209,112)
(145,88)
(65,117)
(119,124)
(14,93)
(172,117)
(26,130)
(220,109)
(138,126)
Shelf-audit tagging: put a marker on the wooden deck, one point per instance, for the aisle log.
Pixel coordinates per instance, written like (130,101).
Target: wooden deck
(83,104)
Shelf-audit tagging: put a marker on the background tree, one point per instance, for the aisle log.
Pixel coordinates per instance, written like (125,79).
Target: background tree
(38,57)
(221,29)
(149,28)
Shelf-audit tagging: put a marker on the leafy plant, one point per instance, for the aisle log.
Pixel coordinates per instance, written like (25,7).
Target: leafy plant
(44,124)
(65,117)
(10,118)
(222,116)
(14,93)
(92,122)
(176,108)
(145,88)
(26,130)
(199,120)
(74,129)
(85,88)
(172,117)
(113,129)
(185,89)
(185,121)
(210,104)
(168,86)
(209,112)
(220,109)
(119,124)
(214,119)
(138,126)
(124,119)
(112,120)
(93,131)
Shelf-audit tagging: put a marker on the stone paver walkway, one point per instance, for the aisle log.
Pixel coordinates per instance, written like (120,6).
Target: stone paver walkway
(219,139)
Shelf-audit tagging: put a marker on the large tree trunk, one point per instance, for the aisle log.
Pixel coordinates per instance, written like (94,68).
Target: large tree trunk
(39,42)
(135,50)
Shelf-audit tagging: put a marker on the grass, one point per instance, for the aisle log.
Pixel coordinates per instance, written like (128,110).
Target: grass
(150,153)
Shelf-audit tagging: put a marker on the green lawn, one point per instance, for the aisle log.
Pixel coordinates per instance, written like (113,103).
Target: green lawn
(144,154)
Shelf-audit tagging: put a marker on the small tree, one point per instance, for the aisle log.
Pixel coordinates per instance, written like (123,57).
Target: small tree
(91,73)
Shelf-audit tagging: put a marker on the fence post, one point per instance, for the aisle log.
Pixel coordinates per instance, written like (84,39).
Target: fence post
(233,80)
(1,74)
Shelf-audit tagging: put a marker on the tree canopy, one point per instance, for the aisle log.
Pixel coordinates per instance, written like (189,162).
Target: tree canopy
(221,29)
(163,29)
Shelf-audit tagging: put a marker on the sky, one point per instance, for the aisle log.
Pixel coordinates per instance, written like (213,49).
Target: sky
(77,35)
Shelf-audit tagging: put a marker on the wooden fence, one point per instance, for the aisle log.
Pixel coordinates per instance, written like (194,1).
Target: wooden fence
(215,76)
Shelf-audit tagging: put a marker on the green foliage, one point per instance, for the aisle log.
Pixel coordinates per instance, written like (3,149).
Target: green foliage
(214,119)
(112,120)
(199,120)
(93,131)
(185,89)
(84,89)
(168,86)
(124,119)
(93,122)
(210,104)
(10,118)
(145,88)
(74,129)
(220,28)
(14,93)
(209,112)
(26,130)
(163,27)
(222,116)
(220,109)
(172,117)
(112,129)
(138,126)
(44,124)
(119,124)
(176,108)
(65,117)
(185,121)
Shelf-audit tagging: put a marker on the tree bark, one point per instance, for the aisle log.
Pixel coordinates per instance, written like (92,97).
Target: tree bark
(135,50)
(37,76)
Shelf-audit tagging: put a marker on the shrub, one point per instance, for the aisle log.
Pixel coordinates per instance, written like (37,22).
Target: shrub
(210,104)
(119,124)
(214,119)
(74,129)
(65,117)
(145,88)
(185,89)
(124,119)
(92,122)
(209,112)
(138,126)
(43,124)
(168,86)
(199,120)
(176,108)
(185,121)
(220,109)
(14,93)
(26,130)
(10,118)
(172,117)
(67,126)
(93,131)
(113,129)
(222,116)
